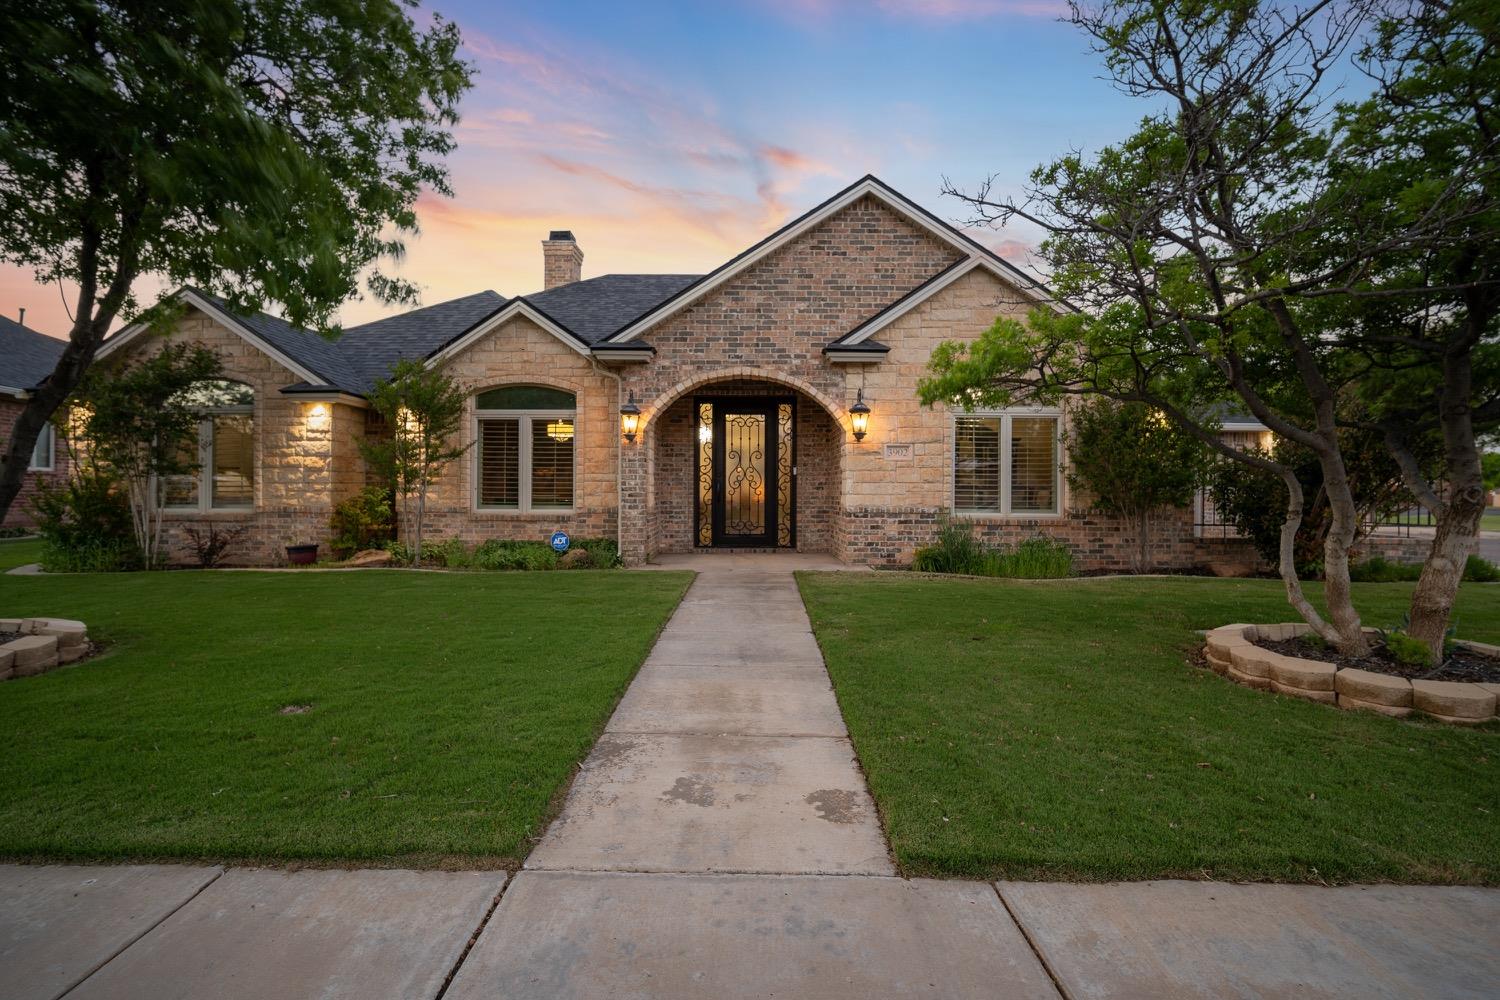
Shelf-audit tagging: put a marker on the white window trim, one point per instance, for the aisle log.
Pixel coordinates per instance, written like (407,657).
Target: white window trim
(1005,510)
(51,465)
(523,460)
(205,473)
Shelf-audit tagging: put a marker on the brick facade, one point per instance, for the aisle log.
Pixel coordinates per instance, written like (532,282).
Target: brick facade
(762,331)
(19,515)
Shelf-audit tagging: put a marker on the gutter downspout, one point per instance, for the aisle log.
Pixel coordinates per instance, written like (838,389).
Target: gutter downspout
(619,457)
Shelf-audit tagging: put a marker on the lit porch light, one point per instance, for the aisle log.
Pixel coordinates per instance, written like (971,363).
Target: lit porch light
(859,417)
(630,419)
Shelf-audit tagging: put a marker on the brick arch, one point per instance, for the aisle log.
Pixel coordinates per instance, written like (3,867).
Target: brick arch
(666,398)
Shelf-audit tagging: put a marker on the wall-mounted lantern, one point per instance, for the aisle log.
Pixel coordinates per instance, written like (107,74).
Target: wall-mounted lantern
(630,419)
(859,417)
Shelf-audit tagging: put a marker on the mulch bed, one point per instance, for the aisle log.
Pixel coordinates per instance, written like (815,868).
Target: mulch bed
(1462,665)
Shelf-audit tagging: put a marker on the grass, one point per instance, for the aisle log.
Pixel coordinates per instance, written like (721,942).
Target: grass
(447,712)
(1057,730)
(18,552)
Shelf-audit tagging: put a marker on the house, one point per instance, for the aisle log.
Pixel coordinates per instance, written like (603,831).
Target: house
(26,359)
(770,403)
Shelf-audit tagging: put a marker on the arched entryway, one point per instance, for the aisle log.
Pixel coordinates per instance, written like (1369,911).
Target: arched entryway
(743,463)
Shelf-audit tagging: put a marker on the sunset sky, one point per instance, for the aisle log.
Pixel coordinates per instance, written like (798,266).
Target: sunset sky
(668,137)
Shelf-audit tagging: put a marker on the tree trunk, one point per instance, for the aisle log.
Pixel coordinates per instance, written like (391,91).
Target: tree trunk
(1287,563)
(1143,542)
(1343,527)
(1457,519)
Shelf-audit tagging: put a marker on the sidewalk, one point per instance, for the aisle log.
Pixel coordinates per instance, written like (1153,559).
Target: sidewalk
(720,841)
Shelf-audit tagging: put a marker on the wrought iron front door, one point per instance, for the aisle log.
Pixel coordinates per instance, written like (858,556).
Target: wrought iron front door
(745,495)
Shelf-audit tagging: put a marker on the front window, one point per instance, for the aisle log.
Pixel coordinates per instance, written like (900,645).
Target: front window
(223,449)
(1006,463)
(43,453)
(524,457)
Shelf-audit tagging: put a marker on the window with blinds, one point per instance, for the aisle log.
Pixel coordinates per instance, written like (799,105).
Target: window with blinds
(976,463)
(1005,463)
(221,453)
(551,464)
(1033,465)
(524,456)
(500,463)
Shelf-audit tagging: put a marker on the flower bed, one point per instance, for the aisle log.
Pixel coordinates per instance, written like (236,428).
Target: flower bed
(31,646)
(1232,651)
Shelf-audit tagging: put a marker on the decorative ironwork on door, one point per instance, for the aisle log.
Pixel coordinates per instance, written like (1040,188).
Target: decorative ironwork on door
(746,472)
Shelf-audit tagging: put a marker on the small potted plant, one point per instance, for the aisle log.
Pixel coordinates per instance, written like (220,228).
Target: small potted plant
(302,554)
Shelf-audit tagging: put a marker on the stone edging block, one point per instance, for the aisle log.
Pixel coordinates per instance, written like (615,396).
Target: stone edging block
(44,643)
(1231,651)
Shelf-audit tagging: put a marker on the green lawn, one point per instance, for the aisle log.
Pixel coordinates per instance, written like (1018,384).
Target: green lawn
(447,712)
(18,552)
(1057,730)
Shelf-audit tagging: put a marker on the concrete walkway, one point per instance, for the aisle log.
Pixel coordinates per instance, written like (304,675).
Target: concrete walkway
(720,842)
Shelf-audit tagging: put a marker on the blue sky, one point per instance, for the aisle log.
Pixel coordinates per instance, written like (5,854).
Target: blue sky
(668,136)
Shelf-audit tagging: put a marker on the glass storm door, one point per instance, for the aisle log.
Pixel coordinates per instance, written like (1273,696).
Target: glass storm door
(745,472)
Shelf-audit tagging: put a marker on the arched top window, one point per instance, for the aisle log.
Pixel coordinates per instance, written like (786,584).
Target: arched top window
(524,455)
(216,395)
(524,397)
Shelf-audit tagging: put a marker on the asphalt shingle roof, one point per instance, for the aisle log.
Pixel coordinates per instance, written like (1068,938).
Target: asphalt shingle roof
(591,310)
(597,307)
(26,356)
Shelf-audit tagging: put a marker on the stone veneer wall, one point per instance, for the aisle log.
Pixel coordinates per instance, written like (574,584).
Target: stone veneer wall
(520,352)
(300,463)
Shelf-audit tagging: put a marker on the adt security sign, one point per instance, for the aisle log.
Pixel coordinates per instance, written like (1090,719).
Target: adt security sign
(560,541)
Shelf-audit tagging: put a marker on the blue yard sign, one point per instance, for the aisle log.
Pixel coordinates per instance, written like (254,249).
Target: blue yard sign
(560,541)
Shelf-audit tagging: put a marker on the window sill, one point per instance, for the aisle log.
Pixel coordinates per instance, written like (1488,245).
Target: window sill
(994,515)
(532,514)
(218,513)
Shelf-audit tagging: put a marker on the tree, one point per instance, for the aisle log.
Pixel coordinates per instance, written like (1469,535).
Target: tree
(268,151)
(1427,143)
(1134,464)
(424,408)
(140,422)
(1220,253)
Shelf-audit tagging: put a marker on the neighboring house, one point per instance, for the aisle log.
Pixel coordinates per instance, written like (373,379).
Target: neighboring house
(750,384)
(26,359)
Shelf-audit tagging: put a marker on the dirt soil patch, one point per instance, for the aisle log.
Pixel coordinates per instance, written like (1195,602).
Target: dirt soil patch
(1460,665)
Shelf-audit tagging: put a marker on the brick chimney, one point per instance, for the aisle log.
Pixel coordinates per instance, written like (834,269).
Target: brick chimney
(562,261)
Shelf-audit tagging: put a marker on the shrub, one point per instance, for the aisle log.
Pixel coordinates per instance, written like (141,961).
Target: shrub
(362,521)
(450,552)
(958,551)
(1405,649)
(85,526)
(604,551)
(1480,570)
(1039,558)
(211,546)
(500,553)
(1378,569)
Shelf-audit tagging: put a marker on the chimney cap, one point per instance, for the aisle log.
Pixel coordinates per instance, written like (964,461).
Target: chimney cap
(561,235)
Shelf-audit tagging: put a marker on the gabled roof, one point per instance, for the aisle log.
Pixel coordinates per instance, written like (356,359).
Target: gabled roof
(599,316)
(867,186)
(26,356)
